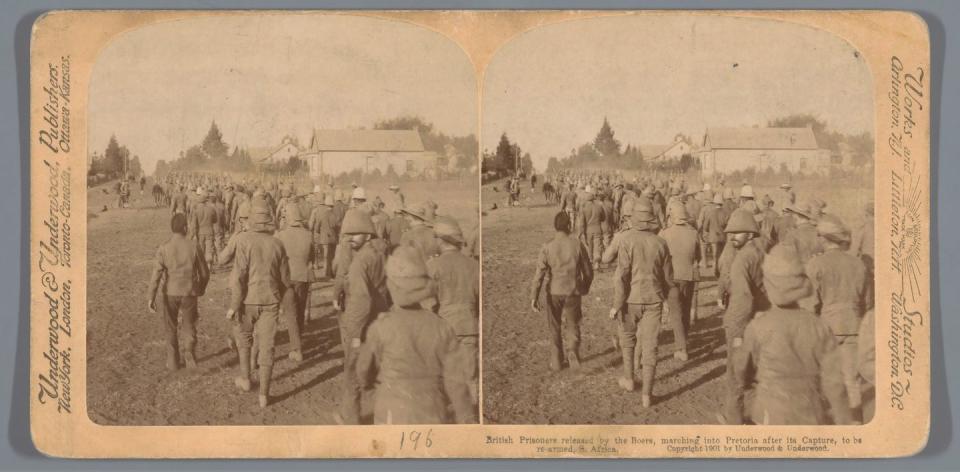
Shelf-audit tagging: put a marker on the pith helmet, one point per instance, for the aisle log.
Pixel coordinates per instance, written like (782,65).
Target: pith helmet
(359,194)
(746,192)
(357,222)
(328,200)
(718,198)
(741,221)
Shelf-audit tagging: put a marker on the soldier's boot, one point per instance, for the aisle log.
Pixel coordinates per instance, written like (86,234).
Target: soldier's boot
(627,381)
(573,358)
(265,371)
(555,359)
(243,380)
(646,391)
(188,356)
(173,358)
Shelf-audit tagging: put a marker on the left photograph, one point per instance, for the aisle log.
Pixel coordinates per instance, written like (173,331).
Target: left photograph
(282,224)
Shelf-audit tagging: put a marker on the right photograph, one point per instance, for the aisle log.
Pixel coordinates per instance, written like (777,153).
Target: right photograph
(677,224)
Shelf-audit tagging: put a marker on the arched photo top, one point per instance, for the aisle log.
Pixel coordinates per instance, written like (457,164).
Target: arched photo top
(267,76)
(654,76)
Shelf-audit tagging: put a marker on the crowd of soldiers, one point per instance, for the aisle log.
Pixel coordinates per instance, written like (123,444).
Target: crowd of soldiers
(794,283)
(405,288)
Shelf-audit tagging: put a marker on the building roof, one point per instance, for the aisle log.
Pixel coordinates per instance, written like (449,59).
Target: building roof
(760,138)
(653,151)
(365,140)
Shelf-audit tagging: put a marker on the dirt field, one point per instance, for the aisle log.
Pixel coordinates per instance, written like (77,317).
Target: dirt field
(518,386)
(126,379)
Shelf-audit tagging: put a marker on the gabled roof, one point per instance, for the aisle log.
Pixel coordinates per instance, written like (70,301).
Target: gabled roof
(656,151)
(760,138)
(366,140)
(653,151)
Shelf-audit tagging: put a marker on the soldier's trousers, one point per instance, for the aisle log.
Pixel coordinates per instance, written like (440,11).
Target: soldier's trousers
(262,320)
(208,245)
(680,300)
(468,358)
(563,321)
(295,311)
(594,242)
(329,251)
(733,404)
(186,307)
(847,345)
(645,320)
(351,386)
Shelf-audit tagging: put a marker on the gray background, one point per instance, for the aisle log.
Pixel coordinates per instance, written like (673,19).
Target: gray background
(17,451)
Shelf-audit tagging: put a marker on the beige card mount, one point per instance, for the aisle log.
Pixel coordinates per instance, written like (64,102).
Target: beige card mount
(128,106)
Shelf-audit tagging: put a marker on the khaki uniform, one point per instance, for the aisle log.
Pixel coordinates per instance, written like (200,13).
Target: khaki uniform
(421,238)
(566,261)
(711,222)
(792,357)
(642,282)
(804,239)
(260,277)
(179,203)
(298,244)
(839,290)
(685,255)
(457,281)
(747,297)
(180,265)
(365,297)
(414,353)
(590,219)
(204,221)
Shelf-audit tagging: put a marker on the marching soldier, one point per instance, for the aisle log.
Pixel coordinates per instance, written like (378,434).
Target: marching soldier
(790,353)
(589,223)
(186,274)
(803,237)
(642,282)
(711,223)
(179,202)
(420,235)
(298,244)
(321,224)
(456,277)
(571,274)
(260,277)
(414,352)
(365,296)
(682,241)
(839,291)
(746,298)
(204,218)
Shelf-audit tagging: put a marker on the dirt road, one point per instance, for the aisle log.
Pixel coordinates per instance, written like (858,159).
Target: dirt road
(127,382)
(519,387)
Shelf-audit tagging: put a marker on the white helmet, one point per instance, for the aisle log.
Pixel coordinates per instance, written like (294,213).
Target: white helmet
(359,194)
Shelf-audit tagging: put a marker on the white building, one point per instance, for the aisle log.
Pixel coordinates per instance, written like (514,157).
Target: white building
(726,150)
(337,151)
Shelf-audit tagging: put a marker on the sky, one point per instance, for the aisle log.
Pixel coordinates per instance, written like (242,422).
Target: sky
(262,77)
(655,76)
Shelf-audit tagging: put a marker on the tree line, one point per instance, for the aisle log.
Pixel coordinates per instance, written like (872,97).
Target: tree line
(606,151)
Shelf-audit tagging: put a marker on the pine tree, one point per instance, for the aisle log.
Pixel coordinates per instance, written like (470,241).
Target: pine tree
(505,157)
(213,144)
(605,143)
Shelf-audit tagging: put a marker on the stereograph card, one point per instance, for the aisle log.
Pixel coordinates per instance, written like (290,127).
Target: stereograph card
(480,234)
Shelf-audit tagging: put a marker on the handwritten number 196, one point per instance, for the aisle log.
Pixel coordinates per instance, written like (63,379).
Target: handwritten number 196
(415,437)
